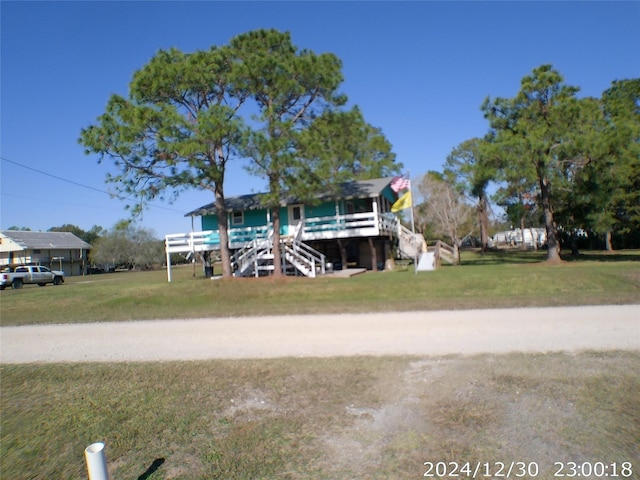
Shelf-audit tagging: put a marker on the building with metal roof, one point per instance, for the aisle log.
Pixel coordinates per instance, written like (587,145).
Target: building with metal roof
(345,191)
(56,250)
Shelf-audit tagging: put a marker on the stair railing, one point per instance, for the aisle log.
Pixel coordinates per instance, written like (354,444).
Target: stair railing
(305,258)
(445,252)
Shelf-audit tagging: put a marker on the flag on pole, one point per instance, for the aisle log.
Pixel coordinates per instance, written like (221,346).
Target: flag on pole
(403,202)
(400,182)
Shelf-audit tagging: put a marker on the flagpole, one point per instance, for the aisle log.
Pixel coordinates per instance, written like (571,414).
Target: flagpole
(413,226)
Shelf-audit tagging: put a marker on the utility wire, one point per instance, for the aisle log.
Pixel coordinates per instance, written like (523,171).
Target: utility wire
(112,195)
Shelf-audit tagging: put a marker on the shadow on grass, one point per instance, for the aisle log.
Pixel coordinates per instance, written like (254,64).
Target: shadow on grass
(502,257)
(157,463)
(603,256)
(518,257)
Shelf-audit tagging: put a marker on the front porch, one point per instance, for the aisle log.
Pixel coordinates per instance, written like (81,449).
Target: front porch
(362,225)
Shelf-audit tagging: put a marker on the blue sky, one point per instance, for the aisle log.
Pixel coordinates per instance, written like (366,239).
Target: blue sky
(418,70)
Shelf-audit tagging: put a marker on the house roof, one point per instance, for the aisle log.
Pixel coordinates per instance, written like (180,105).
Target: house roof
(45,240)
(345,191)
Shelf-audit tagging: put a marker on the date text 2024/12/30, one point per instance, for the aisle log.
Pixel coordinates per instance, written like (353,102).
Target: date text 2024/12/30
(517,469)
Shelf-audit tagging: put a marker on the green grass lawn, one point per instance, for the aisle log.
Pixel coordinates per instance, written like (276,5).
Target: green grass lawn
(493,280)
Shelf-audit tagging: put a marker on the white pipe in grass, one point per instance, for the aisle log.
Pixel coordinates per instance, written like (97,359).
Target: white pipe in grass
(96,461)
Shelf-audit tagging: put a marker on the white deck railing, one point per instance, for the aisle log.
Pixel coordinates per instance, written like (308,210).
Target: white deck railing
(190,242)
(306,259)
(363,224)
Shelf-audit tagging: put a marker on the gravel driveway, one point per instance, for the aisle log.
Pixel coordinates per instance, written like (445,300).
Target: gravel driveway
(407,333)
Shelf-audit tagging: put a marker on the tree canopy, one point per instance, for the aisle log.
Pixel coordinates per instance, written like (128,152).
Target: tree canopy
(340,146)
(609,187)
(127,246)
(89,236)
(536,140)
(177,129)
(300,141)
(188,114)
(571,163)
(470,172)
(444,208)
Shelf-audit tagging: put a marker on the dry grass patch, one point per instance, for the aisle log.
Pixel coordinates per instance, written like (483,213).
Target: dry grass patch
(363,417)
(531,408)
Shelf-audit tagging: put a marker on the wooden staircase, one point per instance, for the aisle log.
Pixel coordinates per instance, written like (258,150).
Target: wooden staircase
(253,259)
(298,258)
(410,245)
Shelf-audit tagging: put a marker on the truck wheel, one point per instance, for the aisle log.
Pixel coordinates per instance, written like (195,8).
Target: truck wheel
(17,283)
(57,280)
(2,287)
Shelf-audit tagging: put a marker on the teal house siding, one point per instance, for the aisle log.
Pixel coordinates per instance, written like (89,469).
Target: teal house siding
(258,217)
(322,210)
(209,222)
(243,232)
(352,218)
(251,218)
(389,194)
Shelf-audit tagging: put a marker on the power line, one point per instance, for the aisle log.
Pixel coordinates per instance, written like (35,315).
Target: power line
(112,195)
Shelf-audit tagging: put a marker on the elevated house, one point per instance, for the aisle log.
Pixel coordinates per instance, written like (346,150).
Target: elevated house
(353,227)
(56,250)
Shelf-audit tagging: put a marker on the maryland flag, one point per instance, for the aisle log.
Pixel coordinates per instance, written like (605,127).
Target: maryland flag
(403,202)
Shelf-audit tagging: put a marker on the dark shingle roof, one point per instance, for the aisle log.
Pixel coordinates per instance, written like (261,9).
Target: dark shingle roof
(45,240)
(347,190)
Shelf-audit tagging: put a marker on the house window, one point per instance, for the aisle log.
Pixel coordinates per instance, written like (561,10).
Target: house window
(296,212)
(237,218)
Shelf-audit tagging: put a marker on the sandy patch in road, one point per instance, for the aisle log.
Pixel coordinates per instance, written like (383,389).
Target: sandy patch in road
(407,333)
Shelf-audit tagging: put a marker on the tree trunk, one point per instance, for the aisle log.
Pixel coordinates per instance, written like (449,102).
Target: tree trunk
(456,252)
(277,260)
(456,246)
(574,243)
(607,241)
(553,246)
(221,213)
(343,253)
(483,220)
(534,240)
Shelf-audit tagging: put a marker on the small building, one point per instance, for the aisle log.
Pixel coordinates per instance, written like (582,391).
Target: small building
(352,227)
(56,250)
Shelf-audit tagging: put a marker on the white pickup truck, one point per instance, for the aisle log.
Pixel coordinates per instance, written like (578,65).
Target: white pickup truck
(16,277)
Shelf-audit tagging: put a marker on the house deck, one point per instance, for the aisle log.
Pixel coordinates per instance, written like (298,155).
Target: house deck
(367,224)
(354,227)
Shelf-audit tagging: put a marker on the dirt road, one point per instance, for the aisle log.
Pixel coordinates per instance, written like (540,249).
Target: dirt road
(414,333)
